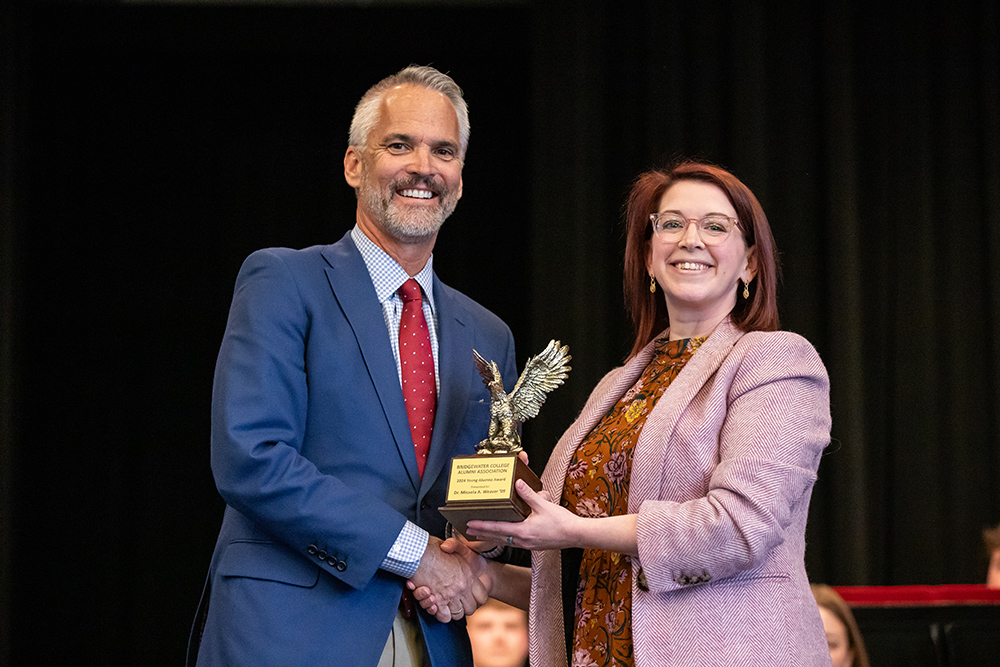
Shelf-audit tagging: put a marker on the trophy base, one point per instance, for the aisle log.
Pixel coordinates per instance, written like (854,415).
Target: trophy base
(481,487)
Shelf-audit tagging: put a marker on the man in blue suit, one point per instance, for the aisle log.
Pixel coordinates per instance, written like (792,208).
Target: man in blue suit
(328,513)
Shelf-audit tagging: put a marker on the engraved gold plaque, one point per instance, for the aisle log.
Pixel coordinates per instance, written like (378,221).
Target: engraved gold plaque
(482,487)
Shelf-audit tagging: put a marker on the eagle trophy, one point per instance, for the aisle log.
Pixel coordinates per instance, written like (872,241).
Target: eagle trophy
(543,373)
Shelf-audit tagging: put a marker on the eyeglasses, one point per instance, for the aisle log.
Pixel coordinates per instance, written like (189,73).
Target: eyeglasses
(713,228)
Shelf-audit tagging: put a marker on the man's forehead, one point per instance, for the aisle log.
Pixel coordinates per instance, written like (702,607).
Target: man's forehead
(406,91)
(408,108)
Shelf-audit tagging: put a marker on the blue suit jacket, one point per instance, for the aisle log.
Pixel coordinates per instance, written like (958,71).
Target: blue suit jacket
(311,451)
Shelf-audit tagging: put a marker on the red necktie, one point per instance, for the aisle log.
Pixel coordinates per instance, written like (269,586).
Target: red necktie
(417,363)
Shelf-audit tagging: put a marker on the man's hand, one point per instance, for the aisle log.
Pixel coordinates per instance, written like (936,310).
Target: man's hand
(453,579)
(480,567)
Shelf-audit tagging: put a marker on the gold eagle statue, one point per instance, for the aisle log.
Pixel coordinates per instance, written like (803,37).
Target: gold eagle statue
(543,373)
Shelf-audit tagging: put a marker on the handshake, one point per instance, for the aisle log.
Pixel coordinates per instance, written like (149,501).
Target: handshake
(453,580)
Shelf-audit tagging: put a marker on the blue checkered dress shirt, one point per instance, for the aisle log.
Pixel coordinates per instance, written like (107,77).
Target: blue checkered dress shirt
(387,277)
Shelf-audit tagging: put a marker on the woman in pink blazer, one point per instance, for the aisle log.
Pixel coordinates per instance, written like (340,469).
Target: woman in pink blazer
(671,530)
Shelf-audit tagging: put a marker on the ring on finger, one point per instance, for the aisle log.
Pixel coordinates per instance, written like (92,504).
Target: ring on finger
(510,540)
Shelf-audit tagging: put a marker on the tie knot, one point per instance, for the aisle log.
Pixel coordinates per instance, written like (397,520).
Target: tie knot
(410,291)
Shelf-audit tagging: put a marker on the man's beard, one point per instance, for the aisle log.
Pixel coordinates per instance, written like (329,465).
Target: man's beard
(397,217)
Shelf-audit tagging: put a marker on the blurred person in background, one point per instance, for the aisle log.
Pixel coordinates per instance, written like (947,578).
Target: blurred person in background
(847,647)
(991,539)
(499,635)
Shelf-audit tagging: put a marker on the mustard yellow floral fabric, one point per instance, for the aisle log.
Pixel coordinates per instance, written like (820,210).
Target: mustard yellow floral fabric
(596,486)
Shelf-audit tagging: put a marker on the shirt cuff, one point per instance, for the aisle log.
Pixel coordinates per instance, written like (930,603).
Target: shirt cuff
(404,556)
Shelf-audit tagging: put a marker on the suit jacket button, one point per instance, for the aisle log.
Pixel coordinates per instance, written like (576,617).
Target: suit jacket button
(312,549)
(341,566)
(321,554)
(643,584)
(331,561)
(424,504)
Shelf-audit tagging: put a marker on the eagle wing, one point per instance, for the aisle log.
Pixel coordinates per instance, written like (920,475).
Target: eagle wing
(487,369)
(543,373)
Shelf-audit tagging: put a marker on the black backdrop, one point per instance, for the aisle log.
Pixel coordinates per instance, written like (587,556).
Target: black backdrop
(148,148)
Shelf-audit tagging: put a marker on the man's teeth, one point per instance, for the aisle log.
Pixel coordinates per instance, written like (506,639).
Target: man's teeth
(694,266)
(419,194)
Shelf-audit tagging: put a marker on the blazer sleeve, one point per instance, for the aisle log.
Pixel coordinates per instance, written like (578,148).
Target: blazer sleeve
(259,417)
(775,423)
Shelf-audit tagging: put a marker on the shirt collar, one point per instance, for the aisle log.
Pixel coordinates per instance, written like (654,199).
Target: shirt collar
(386,273)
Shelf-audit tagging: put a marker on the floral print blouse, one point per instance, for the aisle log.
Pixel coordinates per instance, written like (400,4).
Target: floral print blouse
(597,486)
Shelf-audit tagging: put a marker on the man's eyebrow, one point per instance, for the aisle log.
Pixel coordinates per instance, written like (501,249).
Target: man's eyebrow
(408,138)
(392,138)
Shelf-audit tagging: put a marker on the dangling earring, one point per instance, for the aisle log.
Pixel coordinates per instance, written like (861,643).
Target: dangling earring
(746,290)
(652,284)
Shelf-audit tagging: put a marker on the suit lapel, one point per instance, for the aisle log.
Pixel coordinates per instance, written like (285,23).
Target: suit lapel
(647,465)
(455,367)
(355,293)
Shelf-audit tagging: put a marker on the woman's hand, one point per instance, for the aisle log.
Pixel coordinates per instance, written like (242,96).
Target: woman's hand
(549,526)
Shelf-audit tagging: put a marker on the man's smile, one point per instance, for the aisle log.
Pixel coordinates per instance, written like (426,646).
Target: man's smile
(416,193)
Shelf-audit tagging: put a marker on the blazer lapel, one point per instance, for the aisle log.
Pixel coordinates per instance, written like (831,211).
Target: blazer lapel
(554,475)
(455,367)
(647,467)
(355,293)
(547,618)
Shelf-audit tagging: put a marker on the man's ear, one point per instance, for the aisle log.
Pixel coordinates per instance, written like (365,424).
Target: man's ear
(352,167)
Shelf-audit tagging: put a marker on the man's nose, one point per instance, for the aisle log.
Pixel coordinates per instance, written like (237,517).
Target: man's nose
(420,161)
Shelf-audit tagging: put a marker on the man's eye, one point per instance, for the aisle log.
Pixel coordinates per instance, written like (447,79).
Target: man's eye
(396,147)
(446,153)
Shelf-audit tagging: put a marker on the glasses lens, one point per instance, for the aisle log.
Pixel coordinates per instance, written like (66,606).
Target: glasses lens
(715,226)
(668,224)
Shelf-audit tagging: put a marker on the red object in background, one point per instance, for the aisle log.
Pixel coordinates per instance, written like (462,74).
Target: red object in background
(918,596)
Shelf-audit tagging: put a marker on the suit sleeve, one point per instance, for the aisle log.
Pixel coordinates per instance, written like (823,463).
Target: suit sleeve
(775,427)
(259,410)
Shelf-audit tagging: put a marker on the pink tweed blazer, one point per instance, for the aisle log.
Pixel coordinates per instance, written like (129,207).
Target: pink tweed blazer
(721,479)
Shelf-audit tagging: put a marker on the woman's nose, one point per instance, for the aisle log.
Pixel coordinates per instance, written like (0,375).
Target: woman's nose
(692,236)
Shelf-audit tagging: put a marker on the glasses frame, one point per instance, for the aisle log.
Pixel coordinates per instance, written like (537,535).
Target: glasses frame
(707,240)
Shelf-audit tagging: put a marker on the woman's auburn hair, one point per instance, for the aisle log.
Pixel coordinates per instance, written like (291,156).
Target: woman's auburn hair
(647,310)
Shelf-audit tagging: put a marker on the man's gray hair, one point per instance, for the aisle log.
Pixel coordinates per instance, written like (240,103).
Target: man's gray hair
(366,114)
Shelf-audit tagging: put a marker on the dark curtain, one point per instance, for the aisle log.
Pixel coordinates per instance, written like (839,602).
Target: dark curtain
(871,134)
(148,149)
